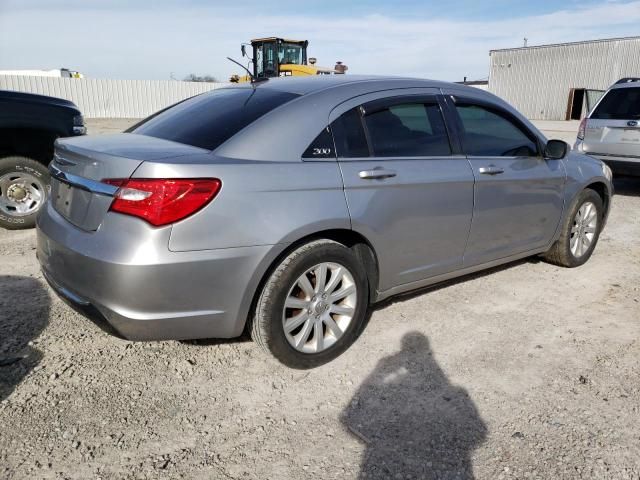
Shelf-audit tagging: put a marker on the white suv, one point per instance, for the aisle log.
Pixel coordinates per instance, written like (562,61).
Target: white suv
(611,132)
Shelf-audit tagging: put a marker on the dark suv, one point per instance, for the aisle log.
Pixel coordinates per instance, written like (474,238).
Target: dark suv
(29,125)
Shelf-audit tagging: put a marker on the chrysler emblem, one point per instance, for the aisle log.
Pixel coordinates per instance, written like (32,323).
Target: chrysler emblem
(632,123)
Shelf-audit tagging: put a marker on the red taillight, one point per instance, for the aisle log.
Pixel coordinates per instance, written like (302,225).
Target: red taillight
(162,201)
(582,128)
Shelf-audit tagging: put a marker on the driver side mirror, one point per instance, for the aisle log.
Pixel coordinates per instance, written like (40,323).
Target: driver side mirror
(556,149)
(243,50)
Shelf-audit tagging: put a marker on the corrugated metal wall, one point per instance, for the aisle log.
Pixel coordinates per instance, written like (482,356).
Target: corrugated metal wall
(102,98)
(538,80)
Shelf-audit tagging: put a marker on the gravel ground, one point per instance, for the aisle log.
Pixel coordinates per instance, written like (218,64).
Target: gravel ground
(527,371)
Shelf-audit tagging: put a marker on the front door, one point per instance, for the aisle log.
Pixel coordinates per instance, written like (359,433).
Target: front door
(518,193)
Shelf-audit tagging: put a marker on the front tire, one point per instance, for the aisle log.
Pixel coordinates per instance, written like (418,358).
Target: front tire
(24,188)
(312,307)
(580,231)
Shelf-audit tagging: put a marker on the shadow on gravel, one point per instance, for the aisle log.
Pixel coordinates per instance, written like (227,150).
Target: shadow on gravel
(414,423)
(209,342)
(627,186)
(24,312)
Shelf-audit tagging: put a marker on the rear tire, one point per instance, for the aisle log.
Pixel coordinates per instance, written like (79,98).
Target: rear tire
(24,189)
(312,306)
(580,231)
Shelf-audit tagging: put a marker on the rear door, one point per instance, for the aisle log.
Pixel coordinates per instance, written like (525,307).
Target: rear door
(408,189)
(613,128)
(518,194)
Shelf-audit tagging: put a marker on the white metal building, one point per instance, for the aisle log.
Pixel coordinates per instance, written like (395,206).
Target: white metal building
(563,81)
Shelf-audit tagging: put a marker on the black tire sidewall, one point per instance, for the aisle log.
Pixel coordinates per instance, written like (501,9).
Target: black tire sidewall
(272,311)
(587,195)
(19,164)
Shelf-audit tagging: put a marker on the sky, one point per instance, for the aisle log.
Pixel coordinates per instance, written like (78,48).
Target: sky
(163,39)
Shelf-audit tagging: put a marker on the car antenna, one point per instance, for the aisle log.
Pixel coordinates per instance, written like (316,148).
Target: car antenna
(253,79)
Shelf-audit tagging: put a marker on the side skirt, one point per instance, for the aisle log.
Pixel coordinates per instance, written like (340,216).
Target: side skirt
(407,287)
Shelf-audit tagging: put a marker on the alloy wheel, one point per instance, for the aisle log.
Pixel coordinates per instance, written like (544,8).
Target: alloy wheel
(319,307)
(584,229)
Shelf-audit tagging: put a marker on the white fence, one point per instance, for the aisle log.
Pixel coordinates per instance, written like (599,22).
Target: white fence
(102,98)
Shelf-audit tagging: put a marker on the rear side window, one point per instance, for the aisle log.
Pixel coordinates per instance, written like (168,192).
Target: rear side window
(489,133)
(321,147)
(619,104)
(208,120)
(349,136)
(411,129)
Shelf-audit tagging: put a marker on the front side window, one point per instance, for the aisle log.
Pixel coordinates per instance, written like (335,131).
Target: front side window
(619,104)
(411,129)
(489,133)
(208,120)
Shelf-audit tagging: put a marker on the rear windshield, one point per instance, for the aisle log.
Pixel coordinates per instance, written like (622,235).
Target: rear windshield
(208,120)
(619,104)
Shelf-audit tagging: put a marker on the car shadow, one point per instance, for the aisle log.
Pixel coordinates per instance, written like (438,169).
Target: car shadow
(627,186)
(24,313)
(208,342)
(412,420)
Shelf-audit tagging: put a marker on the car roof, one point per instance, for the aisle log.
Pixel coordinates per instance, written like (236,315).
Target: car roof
(618,86)
(315,83)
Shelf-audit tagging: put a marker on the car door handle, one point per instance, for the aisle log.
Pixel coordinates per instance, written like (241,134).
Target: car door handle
(491,170)
(377,173)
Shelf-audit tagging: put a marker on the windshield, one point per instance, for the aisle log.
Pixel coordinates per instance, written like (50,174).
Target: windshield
(619,104)
(290,53)
(208,120)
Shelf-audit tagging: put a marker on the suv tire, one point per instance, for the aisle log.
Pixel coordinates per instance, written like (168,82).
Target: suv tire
(24,189)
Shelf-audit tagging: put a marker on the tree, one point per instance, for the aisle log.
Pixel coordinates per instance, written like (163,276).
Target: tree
(192,77)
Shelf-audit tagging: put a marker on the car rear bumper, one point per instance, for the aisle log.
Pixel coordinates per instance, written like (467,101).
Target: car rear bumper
(142,290)
(621,164)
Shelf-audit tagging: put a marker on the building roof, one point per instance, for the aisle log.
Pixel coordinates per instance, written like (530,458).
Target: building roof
(532,47)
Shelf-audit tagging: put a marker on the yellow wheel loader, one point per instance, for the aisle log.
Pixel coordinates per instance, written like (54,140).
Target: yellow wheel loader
(279,57)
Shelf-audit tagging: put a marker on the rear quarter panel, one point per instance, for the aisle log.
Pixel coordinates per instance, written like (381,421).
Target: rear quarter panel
(260,202)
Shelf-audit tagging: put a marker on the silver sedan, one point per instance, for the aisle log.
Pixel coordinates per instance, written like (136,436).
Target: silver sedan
(288,207)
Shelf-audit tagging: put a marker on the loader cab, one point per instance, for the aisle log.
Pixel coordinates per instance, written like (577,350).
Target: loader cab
(269,54)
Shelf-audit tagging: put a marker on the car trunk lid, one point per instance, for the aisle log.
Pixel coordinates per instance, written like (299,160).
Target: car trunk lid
(80,165)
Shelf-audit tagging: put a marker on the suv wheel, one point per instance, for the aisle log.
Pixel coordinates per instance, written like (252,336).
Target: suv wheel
(580,231)
(24,188)
(312,306)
